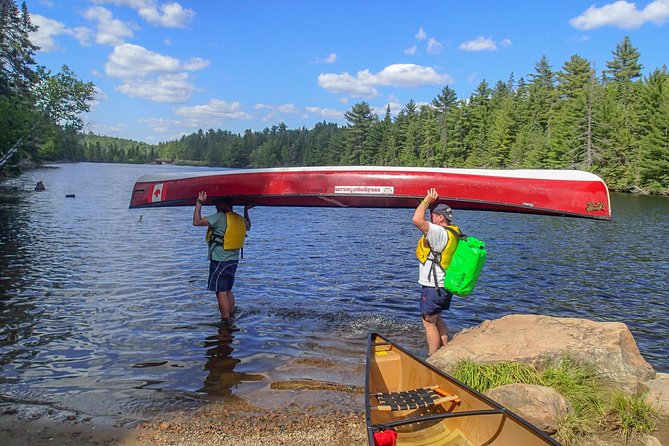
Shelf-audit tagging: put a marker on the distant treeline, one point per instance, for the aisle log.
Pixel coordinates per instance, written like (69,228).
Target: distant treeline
(615,124)
(108,149)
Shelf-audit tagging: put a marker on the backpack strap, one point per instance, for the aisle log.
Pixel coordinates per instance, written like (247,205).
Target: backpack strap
(436,256)
(459,235)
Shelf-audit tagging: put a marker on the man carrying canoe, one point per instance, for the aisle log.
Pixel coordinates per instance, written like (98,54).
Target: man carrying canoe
(225,236)
(434,251)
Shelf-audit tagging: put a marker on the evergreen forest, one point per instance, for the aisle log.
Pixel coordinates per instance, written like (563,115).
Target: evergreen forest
(613,122)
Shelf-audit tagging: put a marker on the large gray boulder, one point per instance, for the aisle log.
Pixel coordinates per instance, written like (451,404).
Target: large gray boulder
(608,346)
(541,406)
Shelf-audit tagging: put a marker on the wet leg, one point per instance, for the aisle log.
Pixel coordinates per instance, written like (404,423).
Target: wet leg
(224,303)
(432,335)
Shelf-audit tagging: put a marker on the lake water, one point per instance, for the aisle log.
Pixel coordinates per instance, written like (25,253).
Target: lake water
(104,305)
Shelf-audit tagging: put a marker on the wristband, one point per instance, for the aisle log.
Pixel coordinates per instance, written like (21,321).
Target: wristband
(426,203)
(199,201)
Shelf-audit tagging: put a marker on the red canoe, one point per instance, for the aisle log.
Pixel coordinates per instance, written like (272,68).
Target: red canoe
(549,192)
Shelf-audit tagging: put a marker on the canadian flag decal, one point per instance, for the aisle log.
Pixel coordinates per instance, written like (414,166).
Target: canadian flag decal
(157,194)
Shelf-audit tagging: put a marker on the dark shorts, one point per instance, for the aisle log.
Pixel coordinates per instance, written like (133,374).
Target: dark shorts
(434,300)
(221,275)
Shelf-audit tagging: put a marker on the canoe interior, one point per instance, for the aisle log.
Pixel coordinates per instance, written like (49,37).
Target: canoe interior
(473,420)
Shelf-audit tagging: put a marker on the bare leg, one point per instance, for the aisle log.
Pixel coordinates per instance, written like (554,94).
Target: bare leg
(436,332)
(224,303)
(443,331)
(431,333)
(233,309)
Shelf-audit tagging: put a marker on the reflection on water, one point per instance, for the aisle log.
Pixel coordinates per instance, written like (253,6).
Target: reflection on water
(105,302)
(220,365)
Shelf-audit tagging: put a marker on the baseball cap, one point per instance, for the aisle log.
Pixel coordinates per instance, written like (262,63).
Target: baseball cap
(444,210)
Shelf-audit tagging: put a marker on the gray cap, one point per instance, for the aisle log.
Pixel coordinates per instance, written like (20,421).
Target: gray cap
(444,210)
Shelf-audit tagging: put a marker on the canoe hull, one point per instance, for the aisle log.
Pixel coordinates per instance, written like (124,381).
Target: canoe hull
(471,419)
(547,192)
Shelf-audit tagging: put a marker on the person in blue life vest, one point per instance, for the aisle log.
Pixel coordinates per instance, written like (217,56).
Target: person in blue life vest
(434,251)
(225,235)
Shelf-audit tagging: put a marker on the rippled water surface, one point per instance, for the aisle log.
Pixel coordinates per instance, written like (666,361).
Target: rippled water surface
(102,303)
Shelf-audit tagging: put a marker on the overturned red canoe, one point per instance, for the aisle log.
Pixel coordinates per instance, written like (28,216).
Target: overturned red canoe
(549,192)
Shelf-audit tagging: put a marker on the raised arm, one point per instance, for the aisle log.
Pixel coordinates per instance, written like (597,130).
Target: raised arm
(197,212)
(419,215)
(246,216)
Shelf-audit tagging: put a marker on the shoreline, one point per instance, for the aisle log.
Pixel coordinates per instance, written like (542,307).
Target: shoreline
(283,412)
(291,417)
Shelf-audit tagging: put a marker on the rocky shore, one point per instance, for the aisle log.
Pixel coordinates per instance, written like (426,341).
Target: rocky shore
(292,410)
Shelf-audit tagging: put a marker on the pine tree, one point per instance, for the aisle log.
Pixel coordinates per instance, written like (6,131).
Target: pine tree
(625,64)
(654,145)
(360,119)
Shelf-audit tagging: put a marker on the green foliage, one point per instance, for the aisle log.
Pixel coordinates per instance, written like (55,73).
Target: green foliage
(40,110)
(484,377)
(594,406)
(632,415)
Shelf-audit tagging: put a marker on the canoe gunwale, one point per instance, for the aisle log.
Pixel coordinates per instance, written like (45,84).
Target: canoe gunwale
(442,416)
(333,199)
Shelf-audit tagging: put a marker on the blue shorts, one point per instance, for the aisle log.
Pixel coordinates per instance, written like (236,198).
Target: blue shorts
(221,275)
(434,300)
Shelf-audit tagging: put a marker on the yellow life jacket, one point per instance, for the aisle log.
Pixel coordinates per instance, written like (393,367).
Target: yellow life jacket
(235,232)
(445,256)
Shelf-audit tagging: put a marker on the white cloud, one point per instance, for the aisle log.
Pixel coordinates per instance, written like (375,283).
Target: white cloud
(129,60)
(394,104)
(168,88)
(110,31)
(169,15)
(479,44)
(149,75)
(48,29)
(505,43)
(98,96)
(421,34)
(411,50)
(195,63)
(284,108)
(331,58)
(345,83)
(161,125)
(410,75)
(622,14)
(326,112)
(398,75)
(106,129)
(212,113)
(434,46)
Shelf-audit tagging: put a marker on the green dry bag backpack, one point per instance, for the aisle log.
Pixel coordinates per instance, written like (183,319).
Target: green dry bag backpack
(468,259)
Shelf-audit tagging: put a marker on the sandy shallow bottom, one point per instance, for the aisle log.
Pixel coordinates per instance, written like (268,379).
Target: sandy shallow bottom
(303,417)
(294,407)
(304,402)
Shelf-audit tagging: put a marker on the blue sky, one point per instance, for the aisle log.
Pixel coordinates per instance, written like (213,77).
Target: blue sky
(168,68)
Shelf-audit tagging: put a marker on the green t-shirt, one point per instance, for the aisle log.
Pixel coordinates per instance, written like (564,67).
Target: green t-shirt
(219,224)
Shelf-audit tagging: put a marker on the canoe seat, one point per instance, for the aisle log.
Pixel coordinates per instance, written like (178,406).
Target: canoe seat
(413,399)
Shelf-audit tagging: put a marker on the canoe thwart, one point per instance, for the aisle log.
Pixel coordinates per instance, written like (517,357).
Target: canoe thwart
(413,399)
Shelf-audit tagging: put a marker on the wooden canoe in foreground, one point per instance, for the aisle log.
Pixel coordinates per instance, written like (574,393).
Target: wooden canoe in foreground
(571,193)
(425,406)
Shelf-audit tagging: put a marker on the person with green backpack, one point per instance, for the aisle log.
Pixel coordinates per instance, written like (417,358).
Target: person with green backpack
(434,250)
(450,263)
